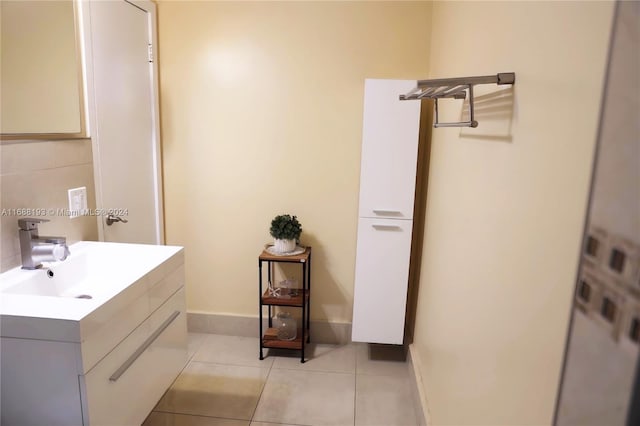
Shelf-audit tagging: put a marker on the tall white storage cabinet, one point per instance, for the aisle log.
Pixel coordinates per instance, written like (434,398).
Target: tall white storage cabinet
(387,192)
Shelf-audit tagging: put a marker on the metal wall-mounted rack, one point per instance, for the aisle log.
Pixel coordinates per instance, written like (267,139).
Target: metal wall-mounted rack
(456,88)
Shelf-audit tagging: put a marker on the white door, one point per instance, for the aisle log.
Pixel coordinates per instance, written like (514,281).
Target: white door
(382,273)
(389,150)
(125,120)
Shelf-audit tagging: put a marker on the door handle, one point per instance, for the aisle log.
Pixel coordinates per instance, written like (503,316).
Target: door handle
(111,219)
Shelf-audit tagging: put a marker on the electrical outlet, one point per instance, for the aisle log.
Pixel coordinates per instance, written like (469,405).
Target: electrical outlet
(77,201)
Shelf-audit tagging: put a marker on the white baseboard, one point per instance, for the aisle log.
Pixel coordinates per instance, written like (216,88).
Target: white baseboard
(232,325)
(419,394)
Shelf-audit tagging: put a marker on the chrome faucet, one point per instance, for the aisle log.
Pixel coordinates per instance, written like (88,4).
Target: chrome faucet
(35,249)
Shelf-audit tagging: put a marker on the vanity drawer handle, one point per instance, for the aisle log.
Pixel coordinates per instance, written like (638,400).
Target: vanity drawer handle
(124,367)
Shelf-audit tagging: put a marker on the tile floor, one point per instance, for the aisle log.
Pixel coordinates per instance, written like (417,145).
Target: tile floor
(225,384)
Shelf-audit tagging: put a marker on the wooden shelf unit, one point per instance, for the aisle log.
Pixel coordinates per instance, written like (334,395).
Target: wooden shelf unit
(268,337)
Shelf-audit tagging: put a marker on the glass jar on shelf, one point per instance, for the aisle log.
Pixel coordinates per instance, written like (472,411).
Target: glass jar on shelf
(286,326)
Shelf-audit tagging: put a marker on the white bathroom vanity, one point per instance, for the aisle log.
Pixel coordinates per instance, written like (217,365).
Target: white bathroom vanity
(94,340)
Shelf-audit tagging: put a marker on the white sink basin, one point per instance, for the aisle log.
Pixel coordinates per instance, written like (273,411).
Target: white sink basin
(92,270)
(68,279)
(94,273)
(42,285)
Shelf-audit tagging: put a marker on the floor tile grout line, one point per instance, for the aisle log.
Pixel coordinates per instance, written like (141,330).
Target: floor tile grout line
(229,365)
(171,385)
(190,358)
(196,350)
(314,371)
(288,424)
(271,366)
(189,361)
(355,388)
(253,413)
(180,413)
(393,374)
(355,396)
(383,374)
(292,369)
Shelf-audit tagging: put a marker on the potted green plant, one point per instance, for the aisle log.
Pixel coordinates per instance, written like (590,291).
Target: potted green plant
(286,230)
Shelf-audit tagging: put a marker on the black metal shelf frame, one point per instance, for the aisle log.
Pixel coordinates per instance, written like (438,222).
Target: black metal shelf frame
(305,261)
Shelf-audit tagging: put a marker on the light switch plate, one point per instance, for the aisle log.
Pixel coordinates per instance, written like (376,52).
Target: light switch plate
(77,202)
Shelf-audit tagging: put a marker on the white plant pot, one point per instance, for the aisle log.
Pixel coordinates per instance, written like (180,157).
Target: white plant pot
(284,246)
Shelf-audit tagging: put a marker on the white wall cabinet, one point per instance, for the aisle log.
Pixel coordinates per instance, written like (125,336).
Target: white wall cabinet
(387,192)
(389,149)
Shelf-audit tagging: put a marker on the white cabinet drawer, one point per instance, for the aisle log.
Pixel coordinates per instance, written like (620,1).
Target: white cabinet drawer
(381,279)
(124,387)
(162,289)
(112,327)
(389,150)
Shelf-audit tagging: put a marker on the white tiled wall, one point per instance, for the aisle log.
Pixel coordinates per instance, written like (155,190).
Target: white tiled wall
(37,175)
(620,287)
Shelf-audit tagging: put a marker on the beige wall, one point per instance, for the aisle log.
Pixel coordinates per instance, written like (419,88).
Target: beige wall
(261,115)
(37,175)
(506,208)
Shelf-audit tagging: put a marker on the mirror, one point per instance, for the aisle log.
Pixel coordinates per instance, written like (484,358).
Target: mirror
(41,85)
(603,346)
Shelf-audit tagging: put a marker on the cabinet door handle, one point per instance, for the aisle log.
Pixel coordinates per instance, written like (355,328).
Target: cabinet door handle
(386,227)
(387,212)
(125,366)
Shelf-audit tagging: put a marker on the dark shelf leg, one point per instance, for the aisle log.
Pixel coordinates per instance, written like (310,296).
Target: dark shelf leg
(309,288)
(309,300)
(269,277)
(260,307)
(304,310)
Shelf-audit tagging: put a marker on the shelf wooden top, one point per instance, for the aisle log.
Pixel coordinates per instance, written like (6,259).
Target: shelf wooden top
(280,301)
(270,340)
(302,257)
